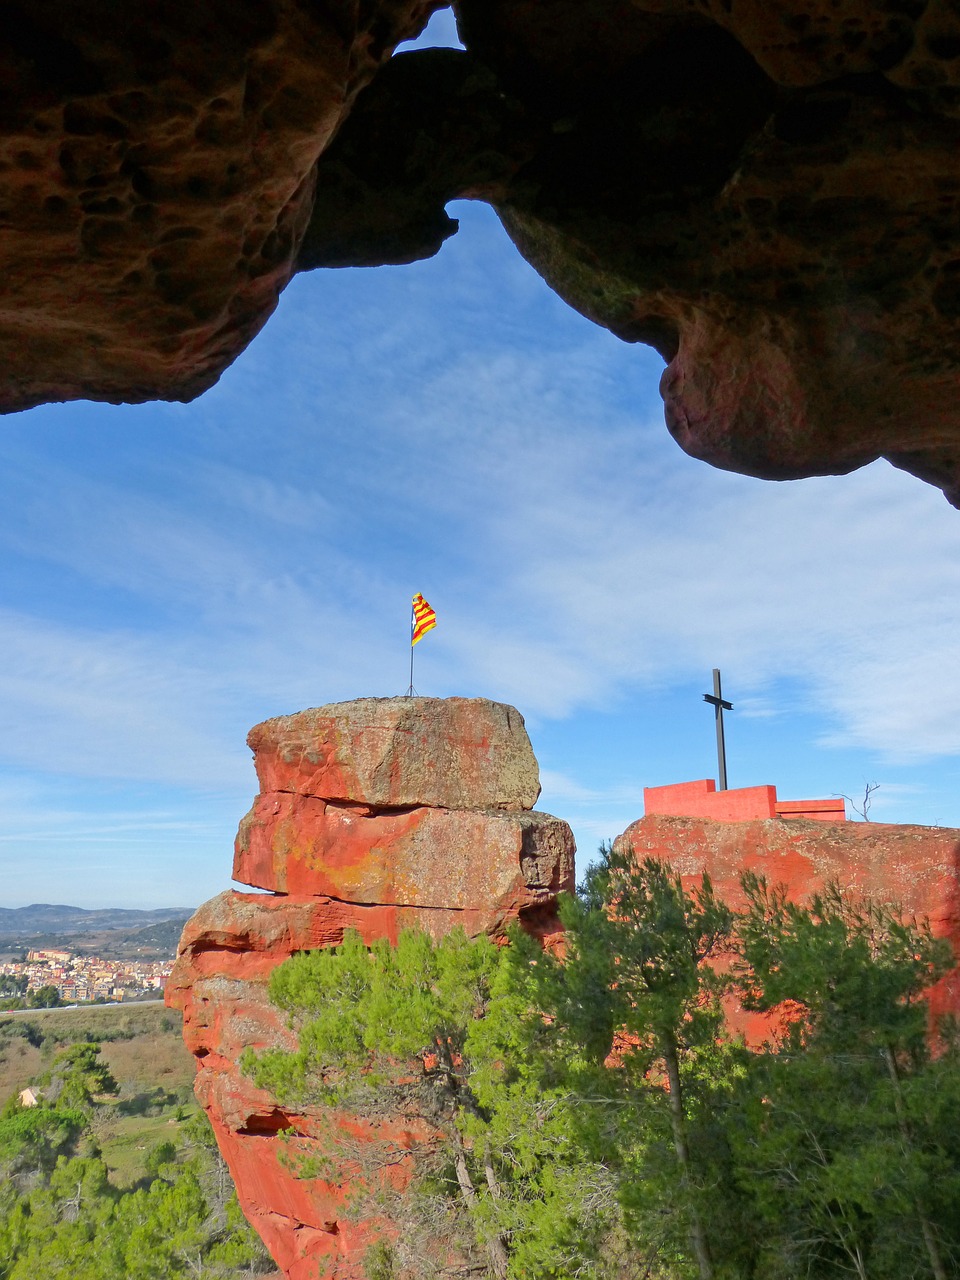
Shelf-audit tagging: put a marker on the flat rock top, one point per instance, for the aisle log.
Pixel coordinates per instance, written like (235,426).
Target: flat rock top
(451,753)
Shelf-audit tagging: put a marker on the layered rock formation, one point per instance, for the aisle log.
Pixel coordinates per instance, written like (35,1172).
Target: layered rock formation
(372,815)
(915,867)
(764,191)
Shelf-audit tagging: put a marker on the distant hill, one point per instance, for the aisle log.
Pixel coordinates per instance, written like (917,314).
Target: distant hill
(44,918)
(160,937)
(111,934)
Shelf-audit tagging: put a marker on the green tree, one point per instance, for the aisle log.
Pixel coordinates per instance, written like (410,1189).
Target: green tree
(33,1138)
(639,998)
(44,998)
(161,1160)
(164,1228)
(365,1017)
(78,1076)
(435,1033)
(237,1248)
(62,1219)
(594,1117)
(558,1205)
(846,1142)
(65,1226)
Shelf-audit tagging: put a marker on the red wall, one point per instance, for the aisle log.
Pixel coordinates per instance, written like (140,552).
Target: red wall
(701,799)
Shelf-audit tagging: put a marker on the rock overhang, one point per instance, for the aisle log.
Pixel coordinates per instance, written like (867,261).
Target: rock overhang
(765,192)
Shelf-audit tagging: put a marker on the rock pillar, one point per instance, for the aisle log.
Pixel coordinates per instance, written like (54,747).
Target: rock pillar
(375,815)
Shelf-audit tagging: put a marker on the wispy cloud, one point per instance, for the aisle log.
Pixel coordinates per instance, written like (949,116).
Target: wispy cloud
(172,574)
(568,789)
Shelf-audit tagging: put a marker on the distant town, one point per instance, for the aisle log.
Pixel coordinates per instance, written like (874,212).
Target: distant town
(80,978)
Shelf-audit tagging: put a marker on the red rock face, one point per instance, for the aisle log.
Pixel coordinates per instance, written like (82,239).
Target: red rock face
(400,752)
(375,815)
(382,814)
(295,844)
(916,867)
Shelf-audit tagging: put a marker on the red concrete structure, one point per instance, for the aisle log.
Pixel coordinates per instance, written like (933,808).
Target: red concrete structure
(701,799)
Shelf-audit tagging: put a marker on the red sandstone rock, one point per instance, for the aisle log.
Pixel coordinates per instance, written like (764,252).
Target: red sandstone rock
(226,955)
(758,190)
(219,982)
(298,844)
(451,753)
(764,191)
(376,815)
(344,836)
(917,868)
(157,171)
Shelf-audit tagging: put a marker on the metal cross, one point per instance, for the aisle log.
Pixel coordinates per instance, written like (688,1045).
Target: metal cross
(719,707)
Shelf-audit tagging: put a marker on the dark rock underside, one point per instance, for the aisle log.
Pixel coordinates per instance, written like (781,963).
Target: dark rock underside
(767,192)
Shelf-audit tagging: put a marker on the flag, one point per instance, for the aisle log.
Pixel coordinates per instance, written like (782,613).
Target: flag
(422,620)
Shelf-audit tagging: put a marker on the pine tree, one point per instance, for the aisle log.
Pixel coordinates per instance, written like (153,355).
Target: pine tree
(639,999)
(442,1035)
(845,1144)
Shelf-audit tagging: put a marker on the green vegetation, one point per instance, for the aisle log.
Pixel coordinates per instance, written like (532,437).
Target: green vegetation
(42,998)
(107,1180)
(597,1119)
(141,1044)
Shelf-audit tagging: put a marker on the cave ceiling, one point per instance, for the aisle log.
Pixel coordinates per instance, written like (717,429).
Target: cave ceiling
(766,191)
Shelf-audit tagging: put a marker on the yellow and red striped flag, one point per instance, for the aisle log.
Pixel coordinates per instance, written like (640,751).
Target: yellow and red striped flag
(422,620)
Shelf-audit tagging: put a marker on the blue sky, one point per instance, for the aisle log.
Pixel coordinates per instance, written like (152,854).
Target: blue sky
(172,574)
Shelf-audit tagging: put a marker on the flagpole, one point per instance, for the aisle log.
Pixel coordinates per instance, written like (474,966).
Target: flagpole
(412,625)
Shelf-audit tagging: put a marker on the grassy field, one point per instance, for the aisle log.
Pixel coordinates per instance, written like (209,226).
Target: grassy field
(141,1043)
(20,1062)
(143,1048)
(126,1140)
